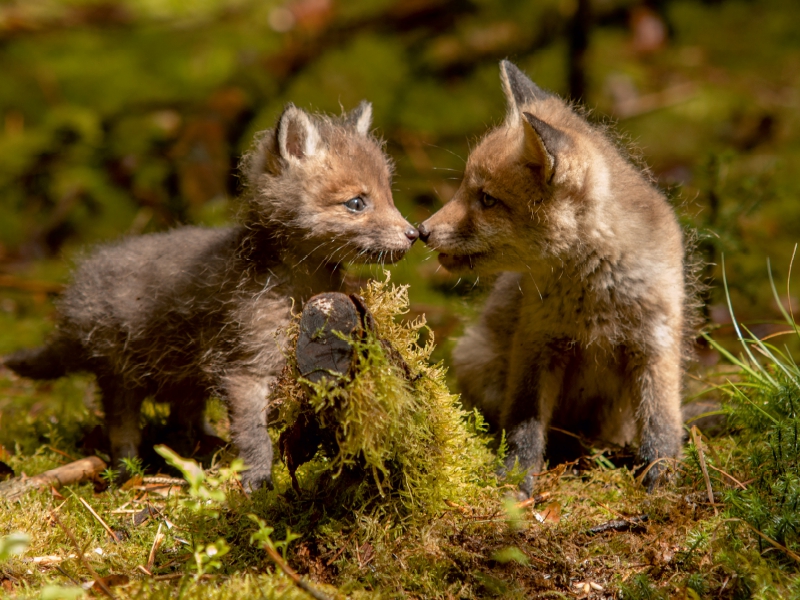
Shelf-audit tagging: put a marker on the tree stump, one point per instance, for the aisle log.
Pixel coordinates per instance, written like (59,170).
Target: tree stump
(329,323)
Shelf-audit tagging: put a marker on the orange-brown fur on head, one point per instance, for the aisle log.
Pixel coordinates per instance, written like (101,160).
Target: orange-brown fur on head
(300,177)
(549,175)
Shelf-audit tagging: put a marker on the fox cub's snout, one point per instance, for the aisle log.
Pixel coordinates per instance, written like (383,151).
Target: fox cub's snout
(519,199)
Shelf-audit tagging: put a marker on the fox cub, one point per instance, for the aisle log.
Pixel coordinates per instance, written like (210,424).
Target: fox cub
(583,329)
(194,312)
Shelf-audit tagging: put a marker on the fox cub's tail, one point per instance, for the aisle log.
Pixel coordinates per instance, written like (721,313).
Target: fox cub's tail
(50,361)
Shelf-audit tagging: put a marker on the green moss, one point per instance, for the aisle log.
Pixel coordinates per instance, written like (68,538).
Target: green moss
(402,444)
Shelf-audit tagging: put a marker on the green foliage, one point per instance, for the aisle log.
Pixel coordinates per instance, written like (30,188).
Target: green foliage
(509,554)
(206,491)
(263,537)
(14,543)
(641,588)
(765,405)
(134,466)
(57,592)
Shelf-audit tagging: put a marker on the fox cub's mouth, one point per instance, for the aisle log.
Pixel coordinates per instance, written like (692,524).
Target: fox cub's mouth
(456,262)
(378,256)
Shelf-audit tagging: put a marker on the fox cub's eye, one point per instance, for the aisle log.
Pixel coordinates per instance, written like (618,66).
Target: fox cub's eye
(356,204)
(487,200)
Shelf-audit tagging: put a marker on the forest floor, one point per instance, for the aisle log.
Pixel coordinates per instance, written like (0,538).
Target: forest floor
(718,529)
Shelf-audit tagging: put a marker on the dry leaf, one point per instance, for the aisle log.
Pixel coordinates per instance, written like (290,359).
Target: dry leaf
(550,514)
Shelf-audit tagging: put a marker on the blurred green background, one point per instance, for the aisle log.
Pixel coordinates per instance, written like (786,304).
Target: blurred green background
(129,116)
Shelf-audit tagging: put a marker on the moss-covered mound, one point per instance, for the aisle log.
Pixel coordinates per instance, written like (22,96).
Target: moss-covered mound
(388,439)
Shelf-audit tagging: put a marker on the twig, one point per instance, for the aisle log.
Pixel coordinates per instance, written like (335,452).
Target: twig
(344,546)
(729,476)
(640,477)
(770,541)
(97,579)
(144,570)
(76,472)
(298,581)
(702,459)
(62,453)
(169,576)
(151,559)
(100,520)
(534,500)
(612,511)
(61,570)
(567,433)
(167,565)
(159,481)
(619,525)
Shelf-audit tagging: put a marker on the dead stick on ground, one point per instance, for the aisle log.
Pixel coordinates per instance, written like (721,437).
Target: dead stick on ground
(729,476)
(793,555)
(702,459)
(100,520)
(75,472)
(156,545)
(534,500)
(298,581)
(340,550)
(97,579)
(625,524)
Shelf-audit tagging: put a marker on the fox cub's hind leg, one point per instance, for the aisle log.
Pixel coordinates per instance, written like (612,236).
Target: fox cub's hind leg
(655,385)
(122,403)
(246,395)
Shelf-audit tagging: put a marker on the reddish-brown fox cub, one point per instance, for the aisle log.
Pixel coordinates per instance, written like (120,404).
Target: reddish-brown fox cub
(194,312)
(583,329)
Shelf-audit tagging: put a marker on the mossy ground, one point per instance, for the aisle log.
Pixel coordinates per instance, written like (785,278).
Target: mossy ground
(459,537)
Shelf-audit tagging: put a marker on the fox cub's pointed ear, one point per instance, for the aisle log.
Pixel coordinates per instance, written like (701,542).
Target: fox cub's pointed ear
(519,89)
(360,117)
(543,144)
(297,135)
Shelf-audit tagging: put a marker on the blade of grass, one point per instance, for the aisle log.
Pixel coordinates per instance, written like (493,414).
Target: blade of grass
(755,363)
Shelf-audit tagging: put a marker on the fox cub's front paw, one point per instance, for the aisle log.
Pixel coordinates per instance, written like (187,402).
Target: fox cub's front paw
(254,479)
(525,490)
(655,474)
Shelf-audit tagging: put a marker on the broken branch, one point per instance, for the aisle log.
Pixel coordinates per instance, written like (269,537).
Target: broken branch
(298,581)
(79,471)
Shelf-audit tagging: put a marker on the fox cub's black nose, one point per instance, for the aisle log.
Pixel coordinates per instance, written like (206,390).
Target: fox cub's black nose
(412,234)
(423,233)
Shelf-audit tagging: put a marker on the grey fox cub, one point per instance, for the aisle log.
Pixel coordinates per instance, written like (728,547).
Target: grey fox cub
(584,326)
(194,312)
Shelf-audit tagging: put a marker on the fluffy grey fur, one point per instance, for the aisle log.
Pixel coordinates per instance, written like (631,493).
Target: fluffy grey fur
(195,312)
